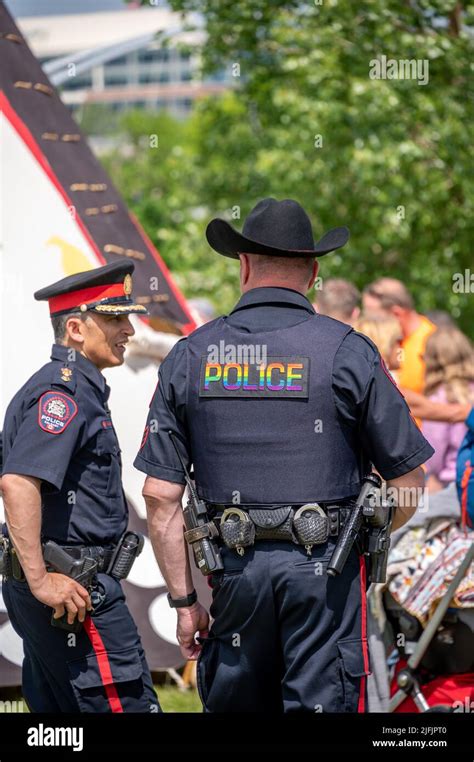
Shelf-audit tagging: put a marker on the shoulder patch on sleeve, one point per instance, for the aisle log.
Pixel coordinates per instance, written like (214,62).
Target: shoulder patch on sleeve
(56,411)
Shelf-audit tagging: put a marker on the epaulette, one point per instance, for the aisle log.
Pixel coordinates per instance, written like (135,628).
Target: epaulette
(64,375)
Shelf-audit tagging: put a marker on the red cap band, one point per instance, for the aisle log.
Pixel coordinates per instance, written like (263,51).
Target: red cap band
(84,296)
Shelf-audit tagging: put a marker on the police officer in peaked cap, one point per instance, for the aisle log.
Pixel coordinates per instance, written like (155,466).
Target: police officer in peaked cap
(63,496)
(280,412)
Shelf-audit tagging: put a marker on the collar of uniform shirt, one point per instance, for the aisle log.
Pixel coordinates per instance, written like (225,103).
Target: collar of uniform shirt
(87,368)
(273,295)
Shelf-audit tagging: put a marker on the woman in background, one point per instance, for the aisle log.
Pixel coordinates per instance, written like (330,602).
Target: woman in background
(449,377)
(387,336)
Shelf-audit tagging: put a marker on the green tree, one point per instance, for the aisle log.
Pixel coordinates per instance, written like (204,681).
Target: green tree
(387,157)
(156,171)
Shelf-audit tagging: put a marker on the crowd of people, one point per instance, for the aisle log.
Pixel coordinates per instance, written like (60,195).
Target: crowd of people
(432,362)
(428,356)
(276,491)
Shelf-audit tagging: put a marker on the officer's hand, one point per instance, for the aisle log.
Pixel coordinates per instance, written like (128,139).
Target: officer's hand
(191,619)
(63,594)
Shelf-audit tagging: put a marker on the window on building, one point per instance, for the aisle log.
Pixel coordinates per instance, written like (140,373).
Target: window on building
(120,61)
(147,77)
(151,56)
(77,83)
(115,80)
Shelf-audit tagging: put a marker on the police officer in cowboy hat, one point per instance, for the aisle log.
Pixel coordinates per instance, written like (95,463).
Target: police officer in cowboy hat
(276,408)
(62,484)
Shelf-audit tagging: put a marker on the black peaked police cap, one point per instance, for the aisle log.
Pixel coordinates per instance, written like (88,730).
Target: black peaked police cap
(105,290)
(276,228)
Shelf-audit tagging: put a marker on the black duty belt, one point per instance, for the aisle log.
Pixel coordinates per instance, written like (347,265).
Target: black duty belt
(309,524)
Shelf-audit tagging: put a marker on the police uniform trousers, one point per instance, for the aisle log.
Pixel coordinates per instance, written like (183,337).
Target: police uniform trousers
(285,637)
(100,669)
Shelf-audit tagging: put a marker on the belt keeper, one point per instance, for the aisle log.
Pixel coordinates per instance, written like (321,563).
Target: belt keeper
(198,533)
(333,515)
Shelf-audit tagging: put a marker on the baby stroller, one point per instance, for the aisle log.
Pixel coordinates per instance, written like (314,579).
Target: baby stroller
(436,669)
(427,607)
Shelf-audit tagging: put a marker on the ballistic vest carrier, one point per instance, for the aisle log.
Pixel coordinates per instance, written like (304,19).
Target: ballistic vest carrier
(261,416)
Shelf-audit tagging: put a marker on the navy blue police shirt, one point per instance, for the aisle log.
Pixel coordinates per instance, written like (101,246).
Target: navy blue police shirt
(58,428)
(365,396)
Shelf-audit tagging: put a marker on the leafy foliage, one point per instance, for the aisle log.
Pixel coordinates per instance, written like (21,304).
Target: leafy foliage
(387,157)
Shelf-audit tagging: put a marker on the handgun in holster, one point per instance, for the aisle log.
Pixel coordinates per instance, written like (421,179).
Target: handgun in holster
(82,570)
(368,527)
(377,529)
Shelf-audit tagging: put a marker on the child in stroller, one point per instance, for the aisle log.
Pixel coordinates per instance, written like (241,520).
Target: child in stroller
(426,613)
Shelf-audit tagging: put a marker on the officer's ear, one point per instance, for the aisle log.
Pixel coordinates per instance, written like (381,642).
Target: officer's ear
(244,270)
(75,329)
(314,274)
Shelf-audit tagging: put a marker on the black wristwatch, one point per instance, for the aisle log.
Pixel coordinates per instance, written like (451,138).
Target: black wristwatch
(180,603)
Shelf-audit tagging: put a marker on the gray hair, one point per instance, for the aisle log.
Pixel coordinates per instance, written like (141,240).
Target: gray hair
(59,324)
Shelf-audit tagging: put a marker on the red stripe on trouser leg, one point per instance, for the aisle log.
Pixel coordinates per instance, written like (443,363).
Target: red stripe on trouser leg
(365,650)
(104,665)
(464,482)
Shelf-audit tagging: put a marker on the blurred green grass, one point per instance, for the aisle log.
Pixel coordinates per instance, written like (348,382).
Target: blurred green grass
(174,700)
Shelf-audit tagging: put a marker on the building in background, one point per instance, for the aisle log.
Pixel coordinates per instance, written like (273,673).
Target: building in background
(157,75)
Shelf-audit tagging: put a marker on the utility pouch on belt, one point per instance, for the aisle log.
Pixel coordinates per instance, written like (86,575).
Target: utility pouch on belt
(237,530)
(274,524)
(311,526)
(5,557)
(308,526)
(128,549)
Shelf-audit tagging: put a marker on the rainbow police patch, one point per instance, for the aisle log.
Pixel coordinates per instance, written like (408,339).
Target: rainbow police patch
(277,377)
(56,411)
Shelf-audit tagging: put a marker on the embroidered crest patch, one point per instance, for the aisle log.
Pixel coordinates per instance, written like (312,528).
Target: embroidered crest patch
(56,411)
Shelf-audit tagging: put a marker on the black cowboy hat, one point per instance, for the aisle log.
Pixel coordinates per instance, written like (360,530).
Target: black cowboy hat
(276,228)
